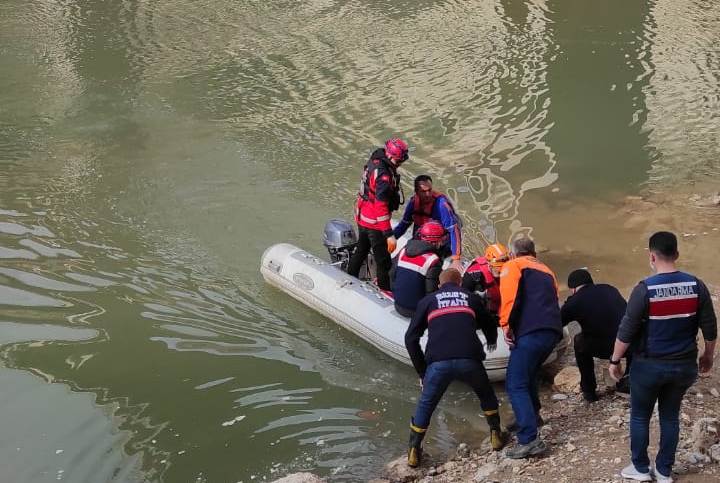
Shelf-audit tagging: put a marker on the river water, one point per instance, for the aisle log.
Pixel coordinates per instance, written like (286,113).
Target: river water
(151,150)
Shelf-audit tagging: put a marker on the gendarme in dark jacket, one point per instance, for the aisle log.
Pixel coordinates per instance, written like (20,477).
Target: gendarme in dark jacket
(415,273)
(451,316)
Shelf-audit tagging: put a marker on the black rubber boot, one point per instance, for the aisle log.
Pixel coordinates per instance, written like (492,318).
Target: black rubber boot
(497,438)
(415,446)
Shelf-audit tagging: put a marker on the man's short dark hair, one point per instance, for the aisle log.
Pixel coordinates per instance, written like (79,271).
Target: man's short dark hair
(664,244)
(524,246)
(423,178)
(579,277)
(450,275)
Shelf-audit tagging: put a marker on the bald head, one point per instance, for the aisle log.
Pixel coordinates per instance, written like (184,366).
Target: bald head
(450,275)
(524,246)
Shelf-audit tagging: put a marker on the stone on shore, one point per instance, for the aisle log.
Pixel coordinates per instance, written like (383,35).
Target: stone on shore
(567,380)
(399,471)
(705,434)
(485,471)
(707,201)
(300,478)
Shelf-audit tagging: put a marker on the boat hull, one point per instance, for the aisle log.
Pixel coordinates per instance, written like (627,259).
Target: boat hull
(353,304)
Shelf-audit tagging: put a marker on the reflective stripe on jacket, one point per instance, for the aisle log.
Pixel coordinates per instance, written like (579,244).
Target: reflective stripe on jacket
(415,276)
(379,193)
(672,301)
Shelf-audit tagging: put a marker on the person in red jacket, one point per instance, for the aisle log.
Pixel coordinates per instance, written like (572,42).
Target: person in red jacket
(483,275)
(379,196)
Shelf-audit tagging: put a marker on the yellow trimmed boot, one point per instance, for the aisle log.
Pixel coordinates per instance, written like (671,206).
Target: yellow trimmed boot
(497,438)
(415,446)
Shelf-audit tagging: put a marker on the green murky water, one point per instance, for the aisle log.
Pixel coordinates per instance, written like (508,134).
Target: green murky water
(151,150)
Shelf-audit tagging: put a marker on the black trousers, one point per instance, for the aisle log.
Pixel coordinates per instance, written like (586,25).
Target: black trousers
(585,350)
(403,311)
(375,239)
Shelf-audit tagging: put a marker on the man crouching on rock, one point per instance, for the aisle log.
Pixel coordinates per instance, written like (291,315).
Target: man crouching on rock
(451,316)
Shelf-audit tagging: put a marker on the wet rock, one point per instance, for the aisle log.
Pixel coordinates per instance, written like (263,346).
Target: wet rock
(704,434)
(697,458)
(615,421)
(708,201)
(541,248)
(399,471)
(567,380)
(300,478)
(714,392)
(463,450)
(714,453)
(483,473)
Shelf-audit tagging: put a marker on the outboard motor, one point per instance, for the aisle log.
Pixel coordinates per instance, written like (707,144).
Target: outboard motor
(340,239)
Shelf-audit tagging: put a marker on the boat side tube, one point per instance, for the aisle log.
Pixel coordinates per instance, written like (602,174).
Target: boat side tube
(353,304)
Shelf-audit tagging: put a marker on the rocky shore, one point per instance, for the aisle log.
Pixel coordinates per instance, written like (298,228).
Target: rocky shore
(590,442)
(586,442)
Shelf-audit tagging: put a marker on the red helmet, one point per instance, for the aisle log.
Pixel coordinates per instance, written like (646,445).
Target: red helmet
(396,149)
(432,232)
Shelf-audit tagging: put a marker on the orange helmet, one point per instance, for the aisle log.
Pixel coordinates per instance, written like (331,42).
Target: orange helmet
(496,255)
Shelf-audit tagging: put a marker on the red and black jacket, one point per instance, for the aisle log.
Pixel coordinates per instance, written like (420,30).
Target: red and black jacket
(379,194)
(478,277)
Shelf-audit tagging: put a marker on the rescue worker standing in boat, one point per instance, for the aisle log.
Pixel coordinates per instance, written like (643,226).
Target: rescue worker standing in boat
(379,196)
(483,275)
(416,269)
(426,205)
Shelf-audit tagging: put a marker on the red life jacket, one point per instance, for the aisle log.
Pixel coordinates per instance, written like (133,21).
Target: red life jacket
(421,216)
(371,212)
(492,286)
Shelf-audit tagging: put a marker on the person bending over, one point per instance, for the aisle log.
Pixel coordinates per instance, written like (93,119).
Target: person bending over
(530,319)
(417,268)
(598,308)
(451,316)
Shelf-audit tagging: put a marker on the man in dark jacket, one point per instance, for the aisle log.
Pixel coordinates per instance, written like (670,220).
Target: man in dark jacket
(451,316)
(598,308)
(663,316)
(417,268)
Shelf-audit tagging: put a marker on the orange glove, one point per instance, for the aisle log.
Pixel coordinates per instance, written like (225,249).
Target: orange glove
(391,244)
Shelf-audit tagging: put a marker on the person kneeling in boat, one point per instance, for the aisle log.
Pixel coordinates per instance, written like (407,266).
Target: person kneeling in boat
(483,275)
(451,316)
(426,205)
(416,269)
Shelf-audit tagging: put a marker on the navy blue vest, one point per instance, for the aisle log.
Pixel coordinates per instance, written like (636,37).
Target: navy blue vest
(409,286)
(672,324)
